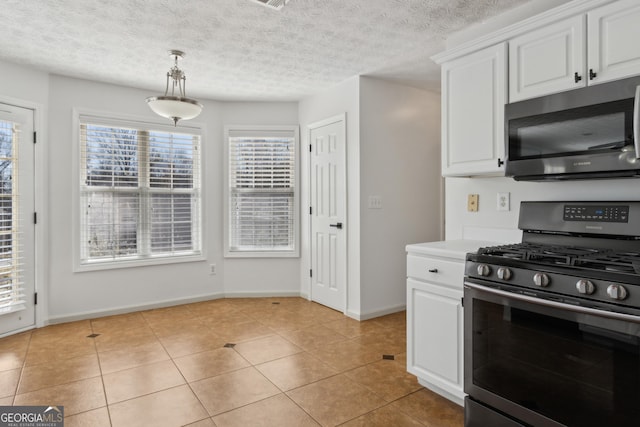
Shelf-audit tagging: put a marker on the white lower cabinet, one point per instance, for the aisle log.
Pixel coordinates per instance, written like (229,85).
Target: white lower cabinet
(435,276)
(435,333)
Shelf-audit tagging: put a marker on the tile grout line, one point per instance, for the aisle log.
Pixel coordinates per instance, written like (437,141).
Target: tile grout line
(187,383)
(24,364)
(104,389)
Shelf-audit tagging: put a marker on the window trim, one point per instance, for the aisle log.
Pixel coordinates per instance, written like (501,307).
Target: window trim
(295,253)
(117,120)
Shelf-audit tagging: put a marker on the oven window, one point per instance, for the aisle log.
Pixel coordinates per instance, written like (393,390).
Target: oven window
(578,370)
(584,130)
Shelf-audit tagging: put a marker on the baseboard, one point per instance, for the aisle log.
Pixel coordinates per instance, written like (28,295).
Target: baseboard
(132,308)
(381,312)
(263,294)
(219,295)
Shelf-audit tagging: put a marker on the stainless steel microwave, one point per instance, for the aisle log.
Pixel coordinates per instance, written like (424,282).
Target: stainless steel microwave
(587,133)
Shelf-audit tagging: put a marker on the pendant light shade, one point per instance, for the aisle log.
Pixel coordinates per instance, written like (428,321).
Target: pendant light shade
(175,106)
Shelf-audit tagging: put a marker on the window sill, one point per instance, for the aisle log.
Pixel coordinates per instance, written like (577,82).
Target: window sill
(261,254)
(136,262)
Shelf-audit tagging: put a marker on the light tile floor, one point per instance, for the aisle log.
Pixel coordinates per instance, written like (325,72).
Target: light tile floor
(229,362)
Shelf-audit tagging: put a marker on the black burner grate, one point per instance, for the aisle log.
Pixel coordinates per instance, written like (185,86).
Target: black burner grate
(577,257)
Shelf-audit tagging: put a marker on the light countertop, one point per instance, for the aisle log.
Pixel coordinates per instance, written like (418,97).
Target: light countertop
(456,249)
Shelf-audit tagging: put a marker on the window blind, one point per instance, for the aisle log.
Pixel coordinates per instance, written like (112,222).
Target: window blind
(140,192)
(12,294)
(262,196)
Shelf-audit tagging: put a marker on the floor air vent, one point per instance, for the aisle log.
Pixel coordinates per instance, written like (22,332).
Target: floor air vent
(274,4)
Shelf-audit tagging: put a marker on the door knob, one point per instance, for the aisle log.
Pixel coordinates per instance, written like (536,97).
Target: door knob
(338,225)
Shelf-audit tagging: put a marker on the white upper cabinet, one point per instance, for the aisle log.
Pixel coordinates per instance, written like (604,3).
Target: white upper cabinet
(474,90)
(596,47)
(548,60)
(614,41)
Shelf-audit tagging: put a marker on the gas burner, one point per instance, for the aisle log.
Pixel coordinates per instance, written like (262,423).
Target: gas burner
(620,262)
(540,253)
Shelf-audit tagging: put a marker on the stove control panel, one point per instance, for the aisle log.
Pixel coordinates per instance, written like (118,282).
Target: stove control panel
(563,285)
(618,213)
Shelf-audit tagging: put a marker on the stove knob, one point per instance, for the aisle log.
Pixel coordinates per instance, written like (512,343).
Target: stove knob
(585,287)
(541,279)
(504,273)
(617,292)
(484,270)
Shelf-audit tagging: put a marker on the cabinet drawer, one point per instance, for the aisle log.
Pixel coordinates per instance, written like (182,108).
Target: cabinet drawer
(449,273)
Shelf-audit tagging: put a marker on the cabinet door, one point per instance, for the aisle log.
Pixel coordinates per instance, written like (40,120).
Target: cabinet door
(435,335)
(614,41)
(548,60)
(474,91)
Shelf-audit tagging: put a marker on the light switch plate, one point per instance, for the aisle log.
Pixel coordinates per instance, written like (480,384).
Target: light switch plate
(375,202)
(472,203)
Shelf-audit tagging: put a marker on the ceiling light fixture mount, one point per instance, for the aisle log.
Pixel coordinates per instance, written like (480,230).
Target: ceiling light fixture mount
(275,4)
(175,106)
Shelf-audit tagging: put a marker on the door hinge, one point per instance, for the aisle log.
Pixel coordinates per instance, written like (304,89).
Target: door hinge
(462,301)
(35,298)
(35,217)
(310,148)
(310,210)
(34,137)
(310,273)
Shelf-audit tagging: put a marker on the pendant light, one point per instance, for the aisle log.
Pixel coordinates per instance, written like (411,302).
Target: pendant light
(175,106)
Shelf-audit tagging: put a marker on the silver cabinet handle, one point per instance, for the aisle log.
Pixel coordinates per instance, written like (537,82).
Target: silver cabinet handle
(636,122)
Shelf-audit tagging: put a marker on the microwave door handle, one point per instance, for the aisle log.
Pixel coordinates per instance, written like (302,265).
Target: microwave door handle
(636,122)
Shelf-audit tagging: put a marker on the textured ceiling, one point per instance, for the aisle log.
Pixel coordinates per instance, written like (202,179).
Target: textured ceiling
(237,49)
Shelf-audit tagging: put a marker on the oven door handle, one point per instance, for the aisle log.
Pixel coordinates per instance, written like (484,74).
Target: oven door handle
(636,122)
(555,304)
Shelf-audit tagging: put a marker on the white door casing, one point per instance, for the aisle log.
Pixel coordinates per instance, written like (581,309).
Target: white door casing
(328,213)
(17,228)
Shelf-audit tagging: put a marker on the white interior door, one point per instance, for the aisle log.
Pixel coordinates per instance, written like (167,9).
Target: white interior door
(17,228)
(328,213)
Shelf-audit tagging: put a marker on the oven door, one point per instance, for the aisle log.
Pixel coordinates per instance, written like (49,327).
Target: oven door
(546,363)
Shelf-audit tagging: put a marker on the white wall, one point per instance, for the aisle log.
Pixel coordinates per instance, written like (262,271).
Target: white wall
(99,292)
(77,294)
(266,276)
(393,151)
(459,222)
(342,98)
(399,161)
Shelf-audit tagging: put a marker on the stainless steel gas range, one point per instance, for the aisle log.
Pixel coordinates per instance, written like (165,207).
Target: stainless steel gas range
(552,324)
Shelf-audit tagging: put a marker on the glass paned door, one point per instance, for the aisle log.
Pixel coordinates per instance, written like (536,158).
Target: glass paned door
(17,229)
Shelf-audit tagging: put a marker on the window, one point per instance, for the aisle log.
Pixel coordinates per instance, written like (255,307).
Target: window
(12,295)
(261,213)
(139,192)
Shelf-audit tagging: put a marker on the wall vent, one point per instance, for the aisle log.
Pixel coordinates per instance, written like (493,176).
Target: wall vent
(274,4)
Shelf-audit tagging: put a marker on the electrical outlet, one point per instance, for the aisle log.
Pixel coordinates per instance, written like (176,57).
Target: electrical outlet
(212,269)
(375,202)
(503,201)
(472,203)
